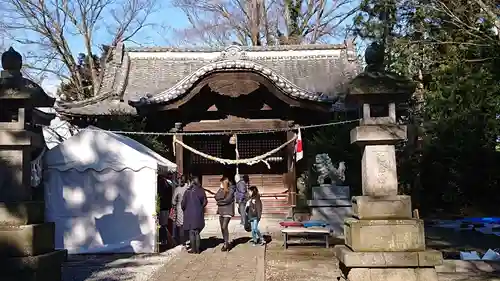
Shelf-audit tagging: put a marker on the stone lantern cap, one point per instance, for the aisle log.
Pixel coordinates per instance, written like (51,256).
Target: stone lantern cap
(375,85)
(17,91)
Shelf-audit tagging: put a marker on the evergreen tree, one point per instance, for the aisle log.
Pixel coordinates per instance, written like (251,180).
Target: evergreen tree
(452,50)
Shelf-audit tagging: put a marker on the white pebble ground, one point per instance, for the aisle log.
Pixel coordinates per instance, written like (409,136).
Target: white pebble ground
(121,267)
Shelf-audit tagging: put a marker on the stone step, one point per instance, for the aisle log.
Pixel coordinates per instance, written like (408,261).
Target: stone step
(350,259)
(392,274)
(43,267)
(26,240)
(22,213)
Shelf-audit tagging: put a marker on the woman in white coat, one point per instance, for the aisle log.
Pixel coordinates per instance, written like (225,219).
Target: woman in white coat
(179,235)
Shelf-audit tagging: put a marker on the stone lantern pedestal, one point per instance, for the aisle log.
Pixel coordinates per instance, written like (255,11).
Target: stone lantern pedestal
(383,242)
(26,240)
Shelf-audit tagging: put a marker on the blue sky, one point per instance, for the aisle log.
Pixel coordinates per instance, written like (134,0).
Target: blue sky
(166,15)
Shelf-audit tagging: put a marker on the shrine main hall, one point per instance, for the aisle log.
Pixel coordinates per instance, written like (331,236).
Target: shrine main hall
(209,96)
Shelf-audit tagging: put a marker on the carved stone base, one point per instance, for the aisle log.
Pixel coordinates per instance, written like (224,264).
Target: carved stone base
(384,235)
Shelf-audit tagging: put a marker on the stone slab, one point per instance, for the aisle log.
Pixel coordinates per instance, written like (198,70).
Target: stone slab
(327,191)
(384,235)
(22,213)
(352,259)
(378,134)
(389,207)
(26,240)
(390,274)
(379,176)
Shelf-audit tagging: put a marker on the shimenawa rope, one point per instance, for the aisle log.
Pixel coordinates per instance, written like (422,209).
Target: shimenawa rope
(248,161)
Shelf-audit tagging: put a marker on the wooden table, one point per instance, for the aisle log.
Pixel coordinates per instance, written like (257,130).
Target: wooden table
(323,232)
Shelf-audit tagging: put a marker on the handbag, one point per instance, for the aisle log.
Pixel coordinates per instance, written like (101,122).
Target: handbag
(247,225)
(172,215)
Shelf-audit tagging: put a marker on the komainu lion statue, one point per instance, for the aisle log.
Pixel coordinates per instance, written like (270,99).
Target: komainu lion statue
(325,168)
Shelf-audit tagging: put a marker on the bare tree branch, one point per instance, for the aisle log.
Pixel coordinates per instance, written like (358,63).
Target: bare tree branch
(57,30)
(266,22)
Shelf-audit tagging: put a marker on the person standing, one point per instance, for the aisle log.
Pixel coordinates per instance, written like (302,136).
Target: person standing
(193,205)
(225,209)
(165,186)
(241,195)
(254,213)
(179,233)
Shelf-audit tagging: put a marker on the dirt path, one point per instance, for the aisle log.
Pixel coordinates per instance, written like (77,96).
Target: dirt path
(244,262)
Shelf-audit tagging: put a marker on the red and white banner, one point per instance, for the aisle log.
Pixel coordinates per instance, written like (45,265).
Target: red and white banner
(299,153)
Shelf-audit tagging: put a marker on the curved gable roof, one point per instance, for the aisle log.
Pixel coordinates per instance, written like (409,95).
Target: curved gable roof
(161,75)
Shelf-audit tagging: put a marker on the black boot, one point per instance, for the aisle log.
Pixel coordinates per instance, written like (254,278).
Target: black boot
(224,248)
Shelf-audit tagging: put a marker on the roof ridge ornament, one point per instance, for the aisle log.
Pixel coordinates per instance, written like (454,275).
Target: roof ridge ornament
(233,52)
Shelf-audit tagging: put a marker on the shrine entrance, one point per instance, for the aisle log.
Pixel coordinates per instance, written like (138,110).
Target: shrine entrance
(248,146)
(269,176)
(210,171)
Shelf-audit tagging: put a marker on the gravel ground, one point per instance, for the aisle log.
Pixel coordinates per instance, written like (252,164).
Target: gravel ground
(121,267)
(467,277)
(315,263)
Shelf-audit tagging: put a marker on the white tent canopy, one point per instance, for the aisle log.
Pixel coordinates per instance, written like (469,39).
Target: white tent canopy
(97,149)
(100,190)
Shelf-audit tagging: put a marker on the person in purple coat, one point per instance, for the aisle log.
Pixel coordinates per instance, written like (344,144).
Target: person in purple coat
(193,205)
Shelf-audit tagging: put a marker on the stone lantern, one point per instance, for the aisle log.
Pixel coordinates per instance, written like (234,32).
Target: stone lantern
(383,242)
(26,240)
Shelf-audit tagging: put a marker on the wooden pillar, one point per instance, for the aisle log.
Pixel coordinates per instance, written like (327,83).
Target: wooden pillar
(291,178)
(179,150)
(179,155)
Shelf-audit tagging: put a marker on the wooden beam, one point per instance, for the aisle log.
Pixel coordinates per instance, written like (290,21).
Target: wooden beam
(235,124)
(237,76)
(291,175)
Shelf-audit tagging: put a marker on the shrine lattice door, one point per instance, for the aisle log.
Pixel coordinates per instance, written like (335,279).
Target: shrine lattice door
(269,179)
(210,171)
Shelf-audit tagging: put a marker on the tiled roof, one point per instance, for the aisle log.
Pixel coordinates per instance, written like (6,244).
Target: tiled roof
(160,75)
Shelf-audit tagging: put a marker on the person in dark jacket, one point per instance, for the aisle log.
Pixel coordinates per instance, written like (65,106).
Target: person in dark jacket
(225,209)
(193,205)
(241,195)
(254,213)
(165,186)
